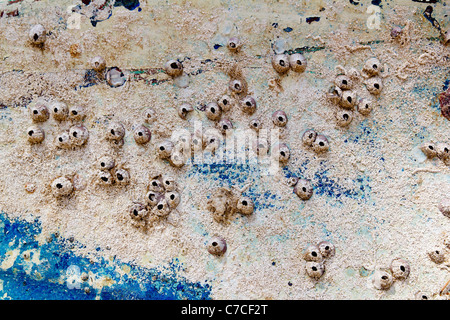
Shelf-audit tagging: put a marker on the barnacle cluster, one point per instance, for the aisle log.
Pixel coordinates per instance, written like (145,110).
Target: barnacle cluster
(74,136)
(109,173)
(383,278)
(343,92)
(161,198)
(440,150)
(315,257)
(295,62)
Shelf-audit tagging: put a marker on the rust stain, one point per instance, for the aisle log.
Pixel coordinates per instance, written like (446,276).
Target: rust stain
(444,100)
(13,13)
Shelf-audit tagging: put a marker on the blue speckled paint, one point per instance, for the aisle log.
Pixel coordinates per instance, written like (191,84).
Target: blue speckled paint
(240,174)
(46,279)
(325,185)
(226,175)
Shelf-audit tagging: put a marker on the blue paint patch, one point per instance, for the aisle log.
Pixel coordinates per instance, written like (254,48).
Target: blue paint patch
(446,84)
(312,19)
(128,4)
(226,175)
(26,280)
(217,46)
(90,79)
(377,3)
(288,29)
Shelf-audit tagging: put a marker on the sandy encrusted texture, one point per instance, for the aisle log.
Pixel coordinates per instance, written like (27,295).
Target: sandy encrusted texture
(398,217)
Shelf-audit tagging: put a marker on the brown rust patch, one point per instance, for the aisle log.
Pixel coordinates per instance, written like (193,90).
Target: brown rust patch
(444,100)
(74,50)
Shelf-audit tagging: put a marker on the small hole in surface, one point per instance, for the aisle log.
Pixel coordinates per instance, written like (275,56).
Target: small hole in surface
(321,144)
(75,134)
(35,112)
(314,254)
(104,179)
(167,182)
(299,62)
(281,119)
(402,268)
(377,86)
(135,212)
(375,66)
(30,133)
(424,297)
(213,110)
(174,65)
(304,190)
(161,148)
(283,153)
(225,102)
(232,44)
(248,103)
(327,248)
(344,82)
(430,147)
(140,133)
(160,206)
(237,86)
(282,63)
(214,244)
(74,112)
(244,203)
(60,139)
(314,269)
(59,185)
(55,110)
(102,164)
(349,99)
(35,37)
(119,177)
(384,277)
(113,132)
(345,116)
(225,127)
(446,150)
(172,196)
(155,183)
